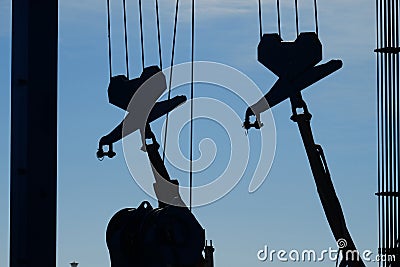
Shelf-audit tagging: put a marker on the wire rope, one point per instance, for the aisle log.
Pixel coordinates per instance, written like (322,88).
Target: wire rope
(170,74)
(126,39)
(159,34)
(191,105)
(109,38)
(296,8)
(141,32)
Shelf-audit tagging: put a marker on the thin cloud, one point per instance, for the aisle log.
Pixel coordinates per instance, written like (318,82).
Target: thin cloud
(5,15)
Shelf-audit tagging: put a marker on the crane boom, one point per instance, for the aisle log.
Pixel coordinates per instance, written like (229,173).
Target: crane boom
(326,191)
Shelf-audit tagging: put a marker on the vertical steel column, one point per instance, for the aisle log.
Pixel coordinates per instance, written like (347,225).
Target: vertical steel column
(33,196)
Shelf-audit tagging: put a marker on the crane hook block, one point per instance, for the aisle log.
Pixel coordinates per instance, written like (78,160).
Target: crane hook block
(288,59)
(121,89)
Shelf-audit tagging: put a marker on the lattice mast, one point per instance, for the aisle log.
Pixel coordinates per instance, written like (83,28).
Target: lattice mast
(387,41)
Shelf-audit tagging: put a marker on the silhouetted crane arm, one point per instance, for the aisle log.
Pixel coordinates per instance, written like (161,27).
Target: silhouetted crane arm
(167,190)
(323,182)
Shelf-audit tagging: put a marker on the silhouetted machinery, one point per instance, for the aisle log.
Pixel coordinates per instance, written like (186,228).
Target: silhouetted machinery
(292,79)
(169,235)
(295,63)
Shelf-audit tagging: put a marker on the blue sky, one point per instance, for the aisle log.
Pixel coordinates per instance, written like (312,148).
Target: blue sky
(285,213)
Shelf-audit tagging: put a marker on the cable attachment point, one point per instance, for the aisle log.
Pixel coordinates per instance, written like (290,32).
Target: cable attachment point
(256,124)
(297,102)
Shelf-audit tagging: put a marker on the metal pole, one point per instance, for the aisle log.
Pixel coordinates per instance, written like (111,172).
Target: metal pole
(33,196)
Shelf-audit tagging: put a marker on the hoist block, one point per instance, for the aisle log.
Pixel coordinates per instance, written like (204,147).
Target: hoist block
(288,59)
(121,89)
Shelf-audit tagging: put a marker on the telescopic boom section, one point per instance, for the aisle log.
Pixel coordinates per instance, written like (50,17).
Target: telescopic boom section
(325,189)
